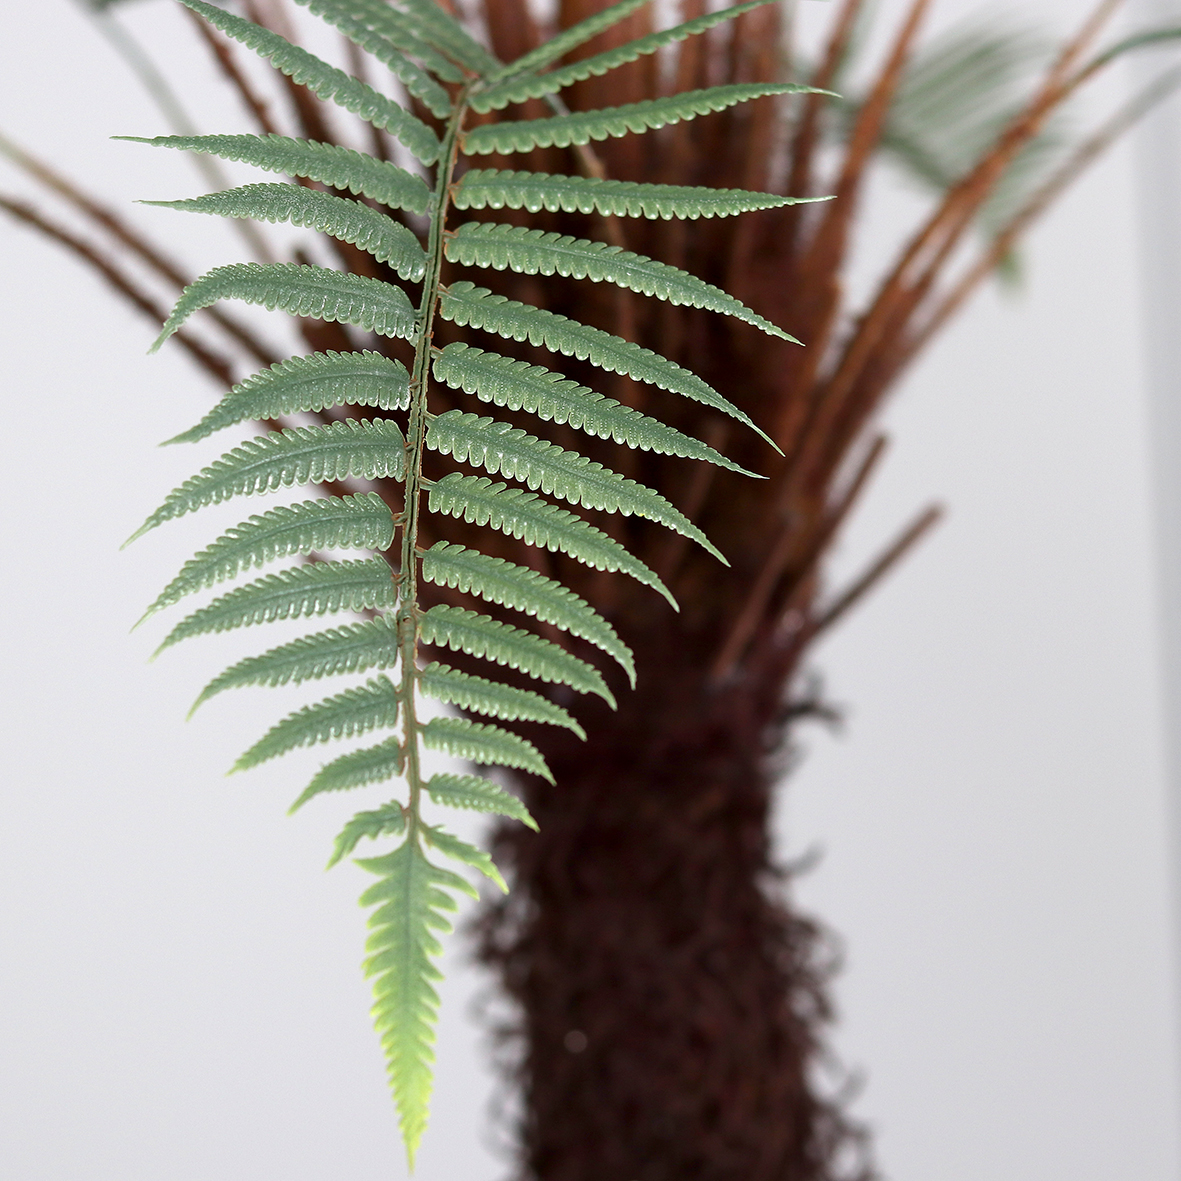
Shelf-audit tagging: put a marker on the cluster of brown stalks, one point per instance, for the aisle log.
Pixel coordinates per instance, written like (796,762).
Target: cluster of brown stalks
(671,1004)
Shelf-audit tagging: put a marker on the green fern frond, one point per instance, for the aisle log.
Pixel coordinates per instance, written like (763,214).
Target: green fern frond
(411,900)
(346,16)
(305,590)
(330,164)
(500,447)
(519,89)
(581,127)
(358,768)
(540,252)
(299,455)
(480,742)
(488,638)
(569,39)
(363,521)
(522,589)
(457,850)
(492,699)
(466,304)
(373,706)
(500,188)
(354,648)
(389,820)
(348,221)
(439,28)
(525,516)
(299,290)
(553,398)
(325,81)
(300,384)
(477,795)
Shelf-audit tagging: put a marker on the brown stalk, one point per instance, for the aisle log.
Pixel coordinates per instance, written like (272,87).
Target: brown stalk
(754,608)
(223,54)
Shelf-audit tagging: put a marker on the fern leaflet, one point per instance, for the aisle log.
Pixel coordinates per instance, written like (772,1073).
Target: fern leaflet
(480,742)
(477,795)
(359,768)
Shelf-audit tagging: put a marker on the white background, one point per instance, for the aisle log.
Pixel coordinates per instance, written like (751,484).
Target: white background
(179,993)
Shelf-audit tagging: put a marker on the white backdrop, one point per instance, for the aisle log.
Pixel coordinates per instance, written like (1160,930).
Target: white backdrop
(179,993)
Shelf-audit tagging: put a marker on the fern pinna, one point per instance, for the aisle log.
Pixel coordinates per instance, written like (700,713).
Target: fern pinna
(453,79)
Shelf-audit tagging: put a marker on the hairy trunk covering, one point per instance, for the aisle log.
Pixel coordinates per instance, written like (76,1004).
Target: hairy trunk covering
(671,997)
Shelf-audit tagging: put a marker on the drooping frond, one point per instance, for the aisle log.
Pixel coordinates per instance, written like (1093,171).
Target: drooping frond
(411,898)
(467,304)
(553,398)
(298,455)
(300,384)
(518,89)
(330,164)
(347,16)
(358,768)
(299,290)
(356,711)
(568,39)
(354,648)
(509,585)
(581,127)
(488,638)
(290,594)
(477,795)
(505,381)
(525,516)
(480,742)
(505,188)
(499,447)
(457,850)
(538,252)
(492,699)
(325,81)
(389,820)
(348,221)
(337,522)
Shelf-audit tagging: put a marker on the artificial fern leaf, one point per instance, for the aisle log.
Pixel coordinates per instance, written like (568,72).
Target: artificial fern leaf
(410,899)
(539,252)
(479,742)
(439,28)
(492,699)
(305,590)
(477,795)
(457,850)
(518,89)
(325,81)
(330,164)
(521,386)
(482,636)
(345,15)
(500,447)
(389,820)
(466,304)
(569,39)
(525,516)
(362,521)
(581,127)
(297,455)
(300,290)
(523,589)
(358,768)
(355,711)
(308,383)
(348,221)
(354,648)
(504,188)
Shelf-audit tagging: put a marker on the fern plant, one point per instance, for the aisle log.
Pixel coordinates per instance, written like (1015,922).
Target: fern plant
(378,421)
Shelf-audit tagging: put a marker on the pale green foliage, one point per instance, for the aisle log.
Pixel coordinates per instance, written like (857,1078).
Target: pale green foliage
(347,221)
(429,53)
(505,188)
